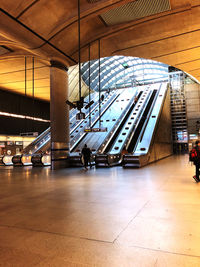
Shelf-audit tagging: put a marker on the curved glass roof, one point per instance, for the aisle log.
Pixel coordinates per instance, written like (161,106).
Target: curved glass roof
(120,71)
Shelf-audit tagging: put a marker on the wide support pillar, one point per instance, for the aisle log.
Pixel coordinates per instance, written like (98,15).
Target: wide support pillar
(59,115)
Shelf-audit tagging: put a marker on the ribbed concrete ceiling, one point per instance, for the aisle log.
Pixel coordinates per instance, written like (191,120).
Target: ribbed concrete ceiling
(12,77)
(164,31)
(4,50)
(18,78)
(134,10)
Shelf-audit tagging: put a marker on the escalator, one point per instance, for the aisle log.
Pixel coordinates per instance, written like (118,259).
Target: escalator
(77,136)
(141,144)
(38,152)
(134,136)
(114,155)
(109,118)
(102,158)
(130,128)
(77,127)
(34,153)
(38,159)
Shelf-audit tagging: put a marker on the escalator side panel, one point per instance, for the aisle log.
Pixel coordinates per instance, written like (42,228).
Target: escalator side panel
(130,124)
(109,120)
(138,129)
(142,153)
(146,139)
(76,142)
(120,125)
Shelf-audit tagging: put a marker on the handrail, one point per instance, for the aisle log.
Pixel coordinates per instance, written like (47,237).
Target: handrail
(120,146)
(80,135)
(115,128)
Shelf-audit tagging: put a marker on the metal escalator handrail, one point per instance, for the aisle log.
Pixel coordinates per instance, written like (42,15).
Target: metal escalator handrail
(96,118)
(133,126)
(45,143)
(80,136)
(43,135)
(139,117)
(148,116)
(156,124)
(36,140)
(116,126)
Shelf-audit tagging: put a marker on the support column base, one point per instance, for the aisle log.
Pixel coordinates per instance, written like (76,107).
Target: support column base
(60,164)
(59,155)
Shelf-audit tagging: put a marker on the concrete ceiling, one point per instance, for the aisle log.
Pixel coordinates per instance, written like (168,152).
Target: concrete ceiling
(48,30)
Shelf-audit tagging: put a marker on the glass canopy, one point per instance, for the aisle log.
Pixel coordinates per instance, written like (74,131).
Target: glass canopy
(120,71)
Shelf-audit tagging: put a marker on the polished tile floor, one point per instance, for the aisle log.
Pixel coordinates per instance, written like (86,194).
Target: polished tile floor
(105,217)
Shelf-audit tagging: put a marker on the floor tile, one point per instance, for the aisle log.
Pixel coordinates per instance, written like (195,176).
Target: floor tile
(104,217)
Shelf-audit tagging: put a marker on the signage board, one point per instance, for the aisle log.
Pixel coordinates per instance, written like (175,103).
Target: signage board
(95,130)
(18,143)
(10,143)
(2,144)
(29,134)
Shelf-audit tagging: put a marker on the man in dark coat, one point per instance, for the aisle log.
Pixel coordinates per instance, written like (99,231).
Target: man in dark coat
(86,153)
(197,160)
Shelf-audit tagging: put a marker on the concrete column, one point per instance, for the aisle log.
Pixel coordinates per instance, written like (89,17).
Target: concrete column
(59,115)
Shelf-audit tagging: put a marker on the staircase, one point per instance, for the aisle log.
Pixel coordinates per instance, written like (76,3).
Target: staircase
(178,109)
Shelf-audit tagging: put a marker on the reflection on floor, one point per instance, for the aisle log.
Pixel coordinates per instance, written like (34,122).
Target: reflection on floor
(104,217)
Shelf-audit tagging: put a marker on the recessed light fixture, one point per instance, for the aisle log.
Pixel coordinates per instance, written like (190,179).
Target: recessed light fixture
(22,116)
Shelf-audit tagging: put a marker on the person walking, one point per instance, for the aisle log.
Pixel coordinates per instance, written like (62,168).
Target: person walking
(197,160)
(86,154)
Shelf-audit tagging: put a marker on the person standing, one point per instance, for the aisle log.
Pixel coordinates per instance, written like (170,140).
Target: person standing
(135,99)
(197,160)
(86,154)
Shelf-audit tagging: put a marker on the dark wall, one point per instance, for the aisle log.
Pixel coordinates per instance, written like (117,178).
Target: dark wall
(15,126)
(21,105)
